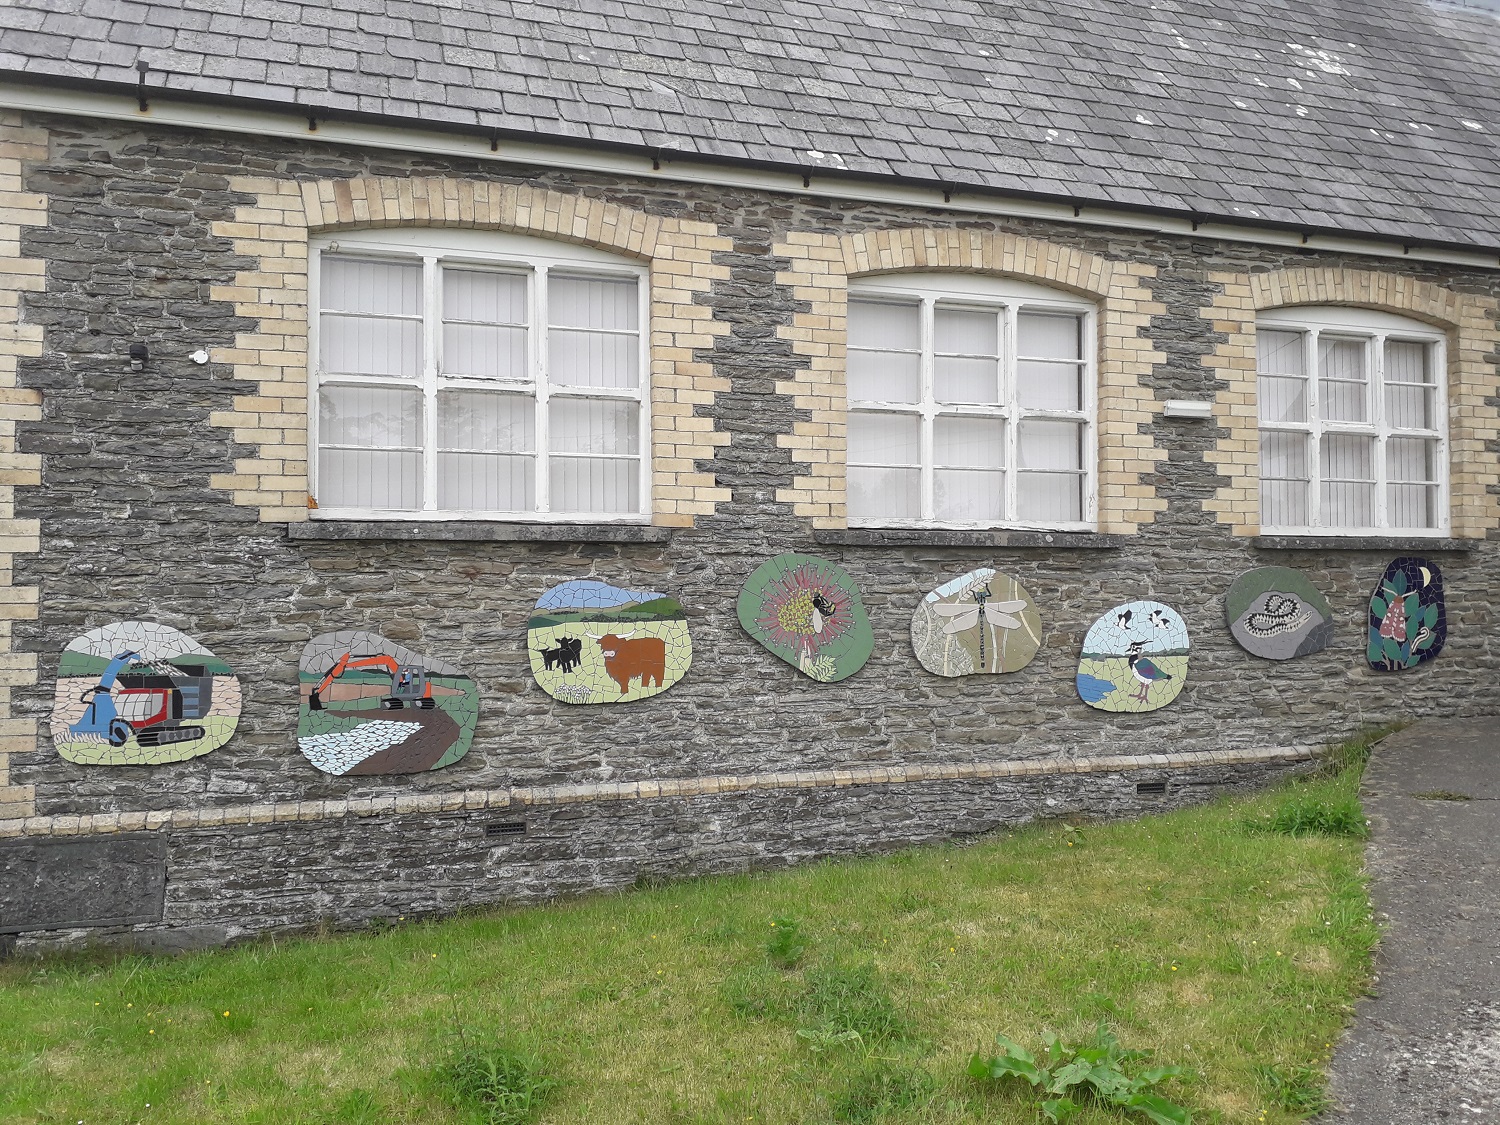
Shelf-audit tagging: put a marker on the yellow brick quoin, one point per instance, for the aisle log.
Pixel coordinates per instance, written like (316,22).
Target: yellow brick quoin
(823,264)
(1469,320)
(275,230)
(18,276)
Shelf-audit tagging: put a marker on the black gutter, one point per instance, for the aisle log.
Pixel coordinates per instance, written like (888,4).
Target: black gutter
(659,156)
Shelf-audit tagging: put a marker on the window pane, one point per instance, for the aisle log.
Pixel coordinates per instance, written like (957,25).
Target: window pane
(486,423)
(1049,336)
(1050,497)
(1343,377)
(885,324)
(876,493)
(884,376)
(596,484)
(593,302)
(1049,386)
(1280,353)
(1051,445)
(1411,459)
(1413,505)
(1410,408)
(606,360)
(966,379)
(1406,361)
(369,478)
(1348,497)
(884,439)
(968,443)
(485,352)
(371,417)
(961,331)
(484,296)
(363,285)
(594,426)
(486,482)
(368,345)
(1282,399)
(969,495)
(1284,479)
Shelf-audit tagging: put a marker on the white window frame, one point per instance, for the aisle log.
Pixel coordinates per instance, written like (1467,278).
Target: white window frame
(1011,297)
(1376,327)
(536,257)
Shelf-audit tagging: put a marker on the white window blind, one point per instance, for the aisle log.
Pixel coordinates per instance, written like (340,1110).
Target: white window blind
(1352,423)
(968,408)
(448,384)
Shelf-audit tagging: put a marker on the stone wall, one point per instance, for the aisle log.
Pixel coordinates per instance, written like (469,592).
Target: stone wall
(156,499)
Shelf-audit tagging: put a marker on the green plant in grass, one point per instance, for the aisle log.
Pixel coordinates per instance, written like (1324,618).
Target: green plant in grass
(848,1004)
(1071,1076)
(1316,814)
(498,1086)
(882,1087)
(1297,1088)
(786,944)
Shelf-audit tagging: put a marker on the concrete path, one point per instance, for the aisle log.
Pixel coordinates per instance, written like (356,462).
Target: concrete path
(1426,1046)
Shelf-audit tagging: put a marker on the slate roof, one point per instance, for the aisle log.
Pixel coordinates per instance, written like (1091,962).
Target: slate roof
(1371,116)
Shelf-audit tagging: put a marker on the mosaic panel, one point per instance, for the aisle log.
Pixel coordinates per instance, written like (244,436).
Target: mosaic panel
(807,611)
(371,706)
(135,693)
(980,622)
(1135,658)
(591,642)
(1276,613)
(1408,619)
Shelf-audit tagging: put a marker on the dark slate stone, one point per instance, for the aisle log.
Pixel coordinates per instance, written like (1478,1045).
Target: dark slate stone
(98,881)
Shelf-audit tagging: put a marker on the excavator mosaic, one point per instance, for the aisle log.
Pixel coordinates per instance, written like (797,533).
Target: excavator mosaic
(808,612)
(591,642)
(136,693)
(980,622)
(1276,613)
(1135,658)
(1408,618)
(371,706)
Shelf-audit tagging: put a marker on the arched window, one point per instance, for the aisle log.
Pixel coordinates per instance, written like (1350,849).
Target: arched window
(476,374)
(971,404)
(1353,422)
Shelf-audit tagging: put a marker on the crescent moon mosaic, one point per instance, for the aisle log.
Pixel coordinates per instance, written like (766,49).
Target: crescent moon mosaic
(1408,617)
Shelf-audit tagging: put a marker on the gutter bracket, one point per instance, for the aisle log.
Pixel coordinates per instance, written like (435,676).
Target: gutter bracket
(141,68)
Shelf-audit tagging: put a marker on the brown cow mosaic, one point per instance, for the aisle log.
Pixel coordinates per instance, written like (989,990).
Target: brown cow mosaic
(591,642)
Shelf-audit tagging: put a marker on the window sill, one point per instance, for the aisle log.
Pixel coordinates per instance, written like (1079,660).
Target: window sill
(1412,543)
(478,531)
(941,537)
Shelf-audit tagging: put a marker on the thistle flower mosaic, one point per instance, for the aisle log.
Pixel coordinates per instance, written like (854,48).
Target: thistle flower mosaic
(807,611)
(1408,618)
(1276,613)
(136,693)
(371,706)
(591,642)
(1135,658)
(980,622)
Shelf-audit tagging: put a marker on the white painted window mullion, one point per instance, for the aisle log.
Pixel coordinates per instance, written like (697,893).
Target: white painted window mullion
(928,409)
(1311,365)
(1382,429)
(542,379)
(1010,400)
(431,364)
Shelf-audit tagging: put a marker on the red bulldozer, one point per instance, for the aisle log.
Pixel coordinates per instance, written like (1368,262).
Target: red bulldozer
(409,684)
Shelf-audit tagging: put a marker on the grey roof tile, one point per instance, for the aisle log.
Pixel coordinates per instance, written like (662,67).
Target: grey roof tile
(1377,117)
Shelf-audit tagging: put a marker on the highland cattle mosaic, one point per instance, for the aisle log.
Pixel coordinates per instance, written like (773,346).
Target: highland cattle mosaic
(979,622)
(1276,613)
(591,642)
(135,693)
(808,612)
(1408,620)
(371,706)
(1135,658)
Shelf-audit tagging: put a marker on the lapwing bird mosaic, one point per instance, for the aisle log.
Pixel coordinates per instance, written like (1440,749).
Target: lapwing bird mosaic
(1135,658)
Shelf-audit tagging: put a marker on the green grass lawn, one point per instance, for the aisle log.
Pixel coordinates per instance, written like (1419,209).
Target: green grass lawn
(1225,947)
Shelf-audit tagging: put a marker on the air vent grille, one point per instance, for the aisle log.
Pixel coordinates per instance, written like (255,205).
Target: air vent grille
(506,828)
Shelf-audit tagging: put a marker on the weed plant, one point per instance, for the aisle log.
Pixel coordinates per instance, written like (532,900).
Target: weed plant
(495,1085)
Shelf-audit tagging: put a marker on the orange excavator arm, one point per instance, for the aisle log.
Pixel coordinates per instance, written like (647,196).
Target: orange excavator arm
(344,664)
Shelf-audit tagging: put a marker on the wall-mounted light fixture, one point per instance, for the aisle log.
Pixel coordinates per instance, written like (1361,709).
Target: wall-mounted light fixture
(138,357)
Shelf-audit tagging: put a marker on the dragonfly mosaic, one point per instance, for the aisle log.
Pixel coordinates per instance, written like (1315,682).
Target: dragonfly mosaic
(979,622)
